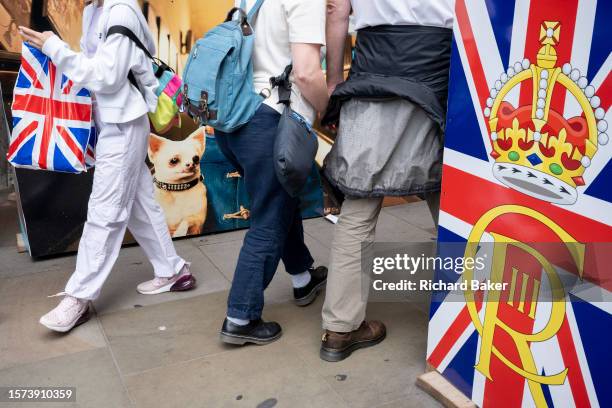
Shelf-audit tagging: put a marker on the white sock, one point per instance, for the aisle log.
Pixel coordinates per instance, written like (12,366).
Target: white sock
(301,279)
(239,322)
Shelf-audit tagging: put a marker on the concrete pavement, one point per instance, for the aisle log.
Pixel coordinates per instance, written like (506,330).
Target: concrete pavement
(163,351)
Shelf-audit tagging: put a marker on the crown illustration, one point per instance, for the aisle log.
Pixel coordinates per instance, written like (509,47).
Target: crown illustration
(536,149)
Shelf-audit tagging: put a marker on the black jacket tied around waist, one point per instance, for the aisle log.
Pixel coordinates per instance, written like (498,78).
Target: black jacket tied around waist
(410,62)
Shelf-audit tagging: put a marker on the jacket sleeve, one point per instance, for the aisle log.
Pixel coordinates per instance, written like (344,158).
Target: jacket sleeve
(82,41)
(86,12)
(106,72)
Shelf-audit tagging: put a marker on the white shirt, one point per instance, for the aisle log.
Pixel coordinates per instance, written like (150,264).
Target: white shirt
(370,13)
(278,24)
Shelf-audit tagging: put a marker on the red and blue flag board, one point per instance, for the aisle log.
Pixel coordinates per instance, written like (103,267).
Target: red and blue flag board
(52,118)
(527,162)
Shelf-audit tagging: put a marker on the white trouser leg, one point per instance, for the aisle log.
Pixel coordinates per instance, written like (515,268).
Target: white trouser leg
(147,224)
(120,155)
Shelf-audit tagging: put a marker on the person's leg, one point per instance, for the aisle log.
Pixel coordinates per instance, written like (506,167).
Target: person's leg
(272,216)
(346,299)
(307,280)
(147,224)
(119,157)
(347,289)
(296,256)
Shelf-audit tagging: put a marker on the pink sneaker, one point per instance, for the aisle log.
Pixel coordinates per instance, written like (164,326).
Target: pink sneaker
(69,313)
(182,281)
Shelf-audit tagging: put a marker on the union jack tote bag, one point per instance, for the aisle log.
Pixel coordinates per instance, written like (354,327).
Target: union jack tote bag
(52,118)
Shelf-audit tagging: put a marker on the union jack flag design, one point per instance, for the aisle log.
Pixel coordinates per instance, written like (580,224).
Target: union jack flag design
(52,118)
(527,158)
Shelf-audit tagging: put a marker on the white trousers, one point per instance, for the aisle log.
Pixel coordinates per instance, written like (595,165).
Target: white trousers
(121,197)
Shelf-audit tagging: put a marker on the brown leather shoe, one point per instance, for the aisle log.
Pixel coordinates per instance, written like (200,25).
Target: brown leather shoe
(338,346)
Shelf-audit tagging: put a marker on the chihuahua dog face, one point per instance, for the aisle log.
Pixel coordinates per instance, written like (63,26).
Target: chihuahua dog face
(177,162)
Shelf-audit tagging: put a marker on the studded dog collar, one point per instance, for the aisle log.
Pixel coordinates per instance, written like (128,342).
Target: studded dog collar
(179,186)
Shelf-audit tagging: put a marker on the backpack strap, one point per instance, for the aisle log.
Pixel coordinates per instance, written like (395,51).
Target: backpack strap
(117,29)
(284,85)
(161,66)
(254,10)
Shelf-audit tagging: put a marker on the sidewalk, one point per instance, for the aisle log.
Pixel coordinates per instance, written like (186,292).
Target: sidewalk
(164,351)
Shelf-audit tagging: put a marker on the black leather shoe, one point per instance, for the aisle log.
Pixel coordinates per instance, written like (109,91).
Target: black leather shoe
(256,332)
(306,295)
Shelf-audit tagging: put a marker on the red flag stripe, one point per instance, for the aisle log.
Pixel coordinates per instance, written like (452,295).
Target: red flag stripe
(471,51)
(27,68)
(468,189)
(455,330)
(60,110)
(19,139)
(574,372)
(605,92)
(70,143)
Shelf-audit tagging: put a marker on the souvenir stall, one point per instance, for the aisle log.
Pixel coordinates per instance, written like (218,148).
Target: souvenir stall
(526,183)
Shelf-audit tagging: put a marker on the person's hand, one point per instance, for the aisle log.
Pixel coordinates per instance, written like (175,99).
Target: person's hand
(34,38)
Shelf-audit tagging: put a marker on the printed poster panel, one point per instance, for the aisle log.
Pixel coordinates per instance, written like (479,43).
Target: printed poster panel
(12,15)
(66,17)
(527,166)
(199,190)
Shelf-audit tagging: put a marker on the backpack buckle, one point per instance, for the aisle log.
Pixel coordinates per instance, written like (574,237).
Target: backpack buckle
(203,107)
(185,99)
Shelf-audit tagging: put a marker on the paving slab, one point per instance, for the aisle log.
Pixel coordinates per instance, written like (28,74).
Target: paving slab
(92,373)
(394,229)
(418,399)
(132,268)
(224,255)
(391,227)
(23,300)
(320,229)
(416,213)
(155,335)
(380,374)
(216,238)
(267,376)
(301,325)
(13,263)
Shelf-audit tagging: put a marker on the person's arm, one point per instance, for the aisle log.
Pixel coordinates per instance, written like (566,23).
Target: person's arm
(308,75)
(106,72)
(336,30)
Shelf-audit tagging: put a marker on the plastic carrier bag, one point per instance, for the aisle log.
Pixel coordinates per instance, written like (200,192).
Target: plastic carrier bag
(52,118)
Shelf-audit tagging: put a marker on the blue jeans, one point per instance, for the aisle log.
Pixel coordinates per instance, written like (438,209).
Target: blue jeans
(276,230)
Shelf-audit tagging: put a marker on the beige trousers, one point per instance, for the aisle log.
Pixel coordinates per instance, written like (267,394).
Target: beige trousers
(347,290)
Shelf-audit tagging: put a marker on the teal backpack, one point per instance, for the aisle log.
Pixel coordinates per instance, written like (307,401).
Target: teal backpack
(218,77)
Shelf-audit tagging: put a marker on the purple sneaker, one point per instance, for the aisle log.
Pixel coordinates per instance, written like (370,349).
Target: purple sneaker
(182,281)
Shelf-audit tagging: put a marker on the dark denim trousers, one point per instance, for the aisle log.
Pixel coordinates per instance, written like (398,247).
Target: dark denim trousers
(276,230)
